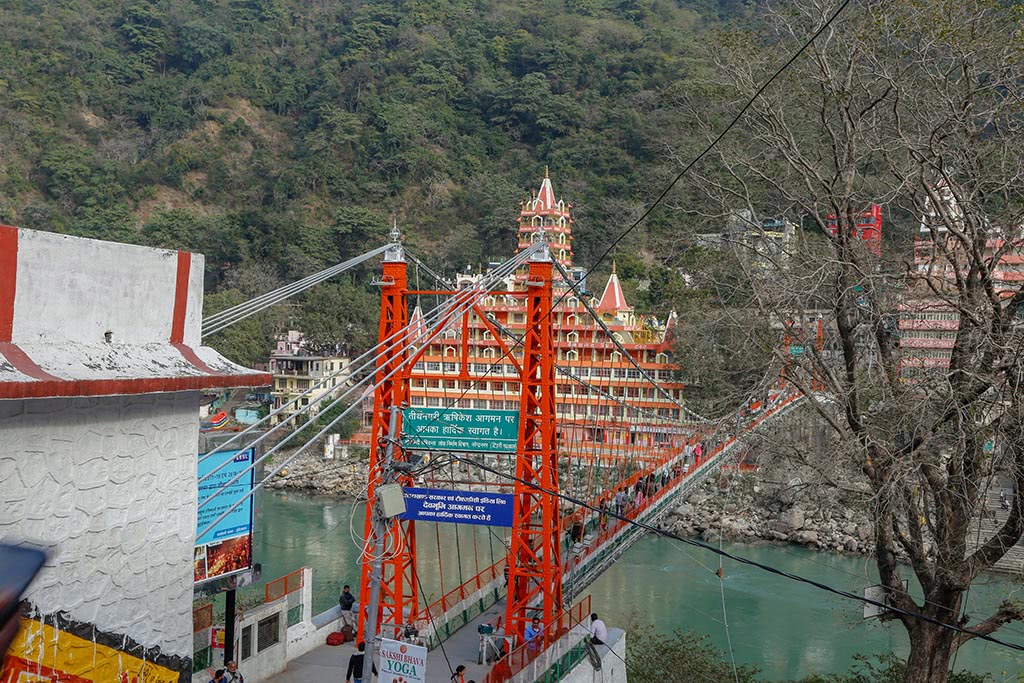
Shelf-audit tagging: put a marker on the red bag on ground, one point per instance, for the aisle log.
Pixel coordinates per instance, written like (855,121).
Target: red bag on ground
(336,638)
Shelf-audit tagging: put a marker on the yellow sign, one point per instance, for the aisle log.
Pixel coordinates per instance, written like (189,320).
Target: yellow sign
(44,654)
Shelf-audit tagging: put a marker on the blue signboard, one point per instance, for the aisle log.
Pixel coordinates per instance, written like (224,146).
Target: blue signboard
(239,521)
(458,507)
(227,547)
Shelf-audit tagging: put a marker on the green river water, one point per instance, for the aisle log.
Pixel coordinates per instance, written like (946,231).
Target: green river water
(787,629)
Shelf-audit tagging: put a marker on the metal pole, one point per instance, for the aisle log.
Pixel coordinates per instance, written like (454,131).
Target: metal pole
(229,626)
(380,529)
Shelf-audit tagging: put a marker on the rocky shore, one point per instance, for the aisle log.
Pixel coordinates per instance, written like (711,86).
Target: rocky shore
(310,472)
(789,512)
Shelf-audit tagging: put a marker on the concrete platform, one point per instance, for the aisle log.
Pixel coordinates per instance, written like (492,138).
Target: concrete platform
(327,664)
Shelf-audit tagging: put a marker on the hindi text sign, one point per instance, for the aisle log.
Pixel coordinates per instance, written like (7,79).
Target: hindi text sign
(461,429)
(458,507)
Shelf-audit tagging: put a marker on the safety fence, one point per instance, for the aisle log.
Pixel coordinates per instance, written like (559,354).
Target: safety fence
(530,662)
(288,585)
(459,606)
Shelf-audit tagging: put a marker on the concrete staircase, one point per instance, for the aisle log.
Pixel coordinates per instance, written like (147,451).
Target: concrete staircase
(993,518)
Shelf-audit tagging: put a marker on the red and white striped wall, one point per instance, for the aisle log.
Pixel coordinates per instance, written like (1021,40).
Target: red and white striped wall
(82,317)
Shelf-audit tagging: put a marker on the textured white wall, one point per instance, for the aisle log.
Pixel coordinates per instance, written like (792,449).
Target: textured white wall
(110,484)
(613,665)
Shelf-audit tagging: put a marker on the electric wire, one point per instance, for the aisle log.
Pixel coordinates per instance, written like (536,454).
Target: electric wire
(759,565)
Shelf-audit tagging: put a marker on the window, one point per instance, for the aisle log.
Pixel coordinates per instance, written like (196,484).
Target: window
(572,337)
(268,632)
(417,401)
(571,355)
(616,357)
(246,642)
(451,367)
(433,401)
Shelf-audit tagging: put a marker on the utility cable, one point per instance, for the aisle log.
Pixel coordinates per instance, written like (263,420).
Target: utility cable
(707,150)
(764,567)
(430,617)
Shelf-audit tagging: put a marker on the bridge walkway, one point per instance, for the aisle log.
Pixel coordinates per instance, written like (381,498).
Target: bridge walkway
(327,664)
(456,618)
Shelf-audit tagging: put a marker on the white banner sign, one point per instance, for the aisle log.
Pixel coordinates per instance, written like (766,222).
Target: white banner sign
(402,662)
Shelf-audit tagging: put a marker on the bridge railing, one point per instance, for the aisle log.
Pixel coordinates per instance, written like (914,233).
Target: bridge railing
(530,662)
(278,588)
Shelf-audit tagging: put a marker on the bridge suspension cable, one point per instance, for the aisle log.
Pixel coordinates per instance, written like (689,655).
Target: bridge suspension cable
(448,310)
(365,360)
(622,349)
(223,319)
(467,299)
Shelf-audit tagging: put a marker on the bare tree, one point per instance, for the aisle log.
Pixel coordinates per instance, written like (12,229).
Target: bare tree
(916,106)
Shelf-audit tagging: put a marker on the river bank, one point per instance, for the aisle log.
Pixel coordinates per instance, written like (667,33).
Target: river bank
(785,628)
(312,473)
(750,509)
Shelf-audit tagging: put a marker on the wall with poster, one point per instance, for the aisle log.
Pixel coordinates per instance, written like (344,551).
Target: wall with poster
(227,547)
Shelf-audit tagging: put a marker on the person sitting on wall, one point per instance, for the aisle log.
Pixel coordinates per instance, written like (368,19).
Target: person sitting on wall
(233,675)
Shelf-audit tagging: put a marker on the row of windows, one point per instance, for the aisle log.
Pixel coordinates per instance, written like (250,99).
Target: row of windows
(506,369)
(561,389)
(929,334)
(565,409)
(929,315)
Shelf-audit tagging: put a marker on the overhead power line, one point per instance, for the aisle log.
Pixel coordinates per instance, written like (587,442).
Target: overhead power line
(753,563)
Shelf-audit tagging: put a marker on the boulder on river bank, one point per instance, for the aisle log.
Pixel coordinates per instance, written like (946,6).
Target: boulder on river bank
(751,509)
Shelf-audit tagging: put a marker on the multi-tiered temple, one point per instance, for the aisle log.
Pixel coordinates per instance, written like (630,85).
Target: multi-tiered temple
(582,347)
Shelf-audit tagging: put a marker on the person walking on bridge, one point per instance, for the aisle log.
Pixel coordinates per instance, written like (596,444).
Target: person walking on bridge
(534,635)
(355,665)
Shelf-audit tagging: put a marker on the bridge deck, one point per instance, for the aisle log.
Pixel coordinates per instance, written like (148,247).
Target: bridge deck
(328,664)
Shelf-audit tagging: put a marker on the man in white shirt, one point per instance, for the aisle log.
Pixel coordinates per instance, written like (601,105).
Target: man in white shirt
(598,631)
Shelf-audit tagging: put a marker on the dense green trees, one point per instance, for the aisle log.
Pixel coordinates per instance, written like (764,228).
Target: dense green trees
(292,133)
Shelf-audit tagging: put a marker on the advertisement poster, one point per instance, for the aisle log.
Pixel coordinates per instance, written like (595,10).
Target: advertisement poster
(402,662)
(227,547)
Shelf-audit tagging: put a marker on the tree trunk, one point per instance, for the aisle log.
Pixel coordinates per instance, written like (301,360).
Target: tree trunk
(931,647)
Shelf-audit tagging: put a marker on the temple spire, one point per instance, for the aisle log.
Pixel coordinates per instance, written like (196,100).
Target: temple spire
(613,300)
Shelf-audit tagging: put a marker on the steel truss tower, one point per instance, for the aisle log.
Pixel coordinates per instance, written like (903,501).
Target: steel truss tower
(535,577)
(399,599)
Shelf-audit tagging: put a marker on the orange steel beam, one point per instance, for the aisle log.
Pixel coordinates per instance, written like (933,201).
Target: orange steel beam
(399,590)
(535,575)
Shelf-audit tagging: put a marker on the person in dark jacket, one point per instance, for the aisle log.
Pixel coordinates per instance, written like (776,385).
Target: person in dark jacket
(346,599)
(355,665)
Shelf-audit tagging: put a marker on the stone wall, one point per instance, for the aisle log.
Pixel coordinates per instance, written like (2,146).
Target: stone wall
(109,485)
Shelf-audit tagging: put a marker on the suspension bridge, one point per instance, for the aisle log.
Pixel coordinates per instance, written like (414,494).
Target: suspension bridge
(587,447)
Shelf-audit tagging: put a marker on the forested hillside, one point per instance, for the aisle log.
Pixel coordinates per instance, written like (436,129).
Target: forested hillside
(278,136)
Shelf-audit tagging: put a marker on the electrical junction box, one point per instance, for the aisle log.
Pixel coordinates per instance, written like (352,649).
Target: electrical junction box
(391,500)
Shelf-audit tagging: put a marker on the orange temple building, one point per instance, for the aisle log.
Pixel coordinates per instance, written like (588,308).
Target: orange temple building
(466,367)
